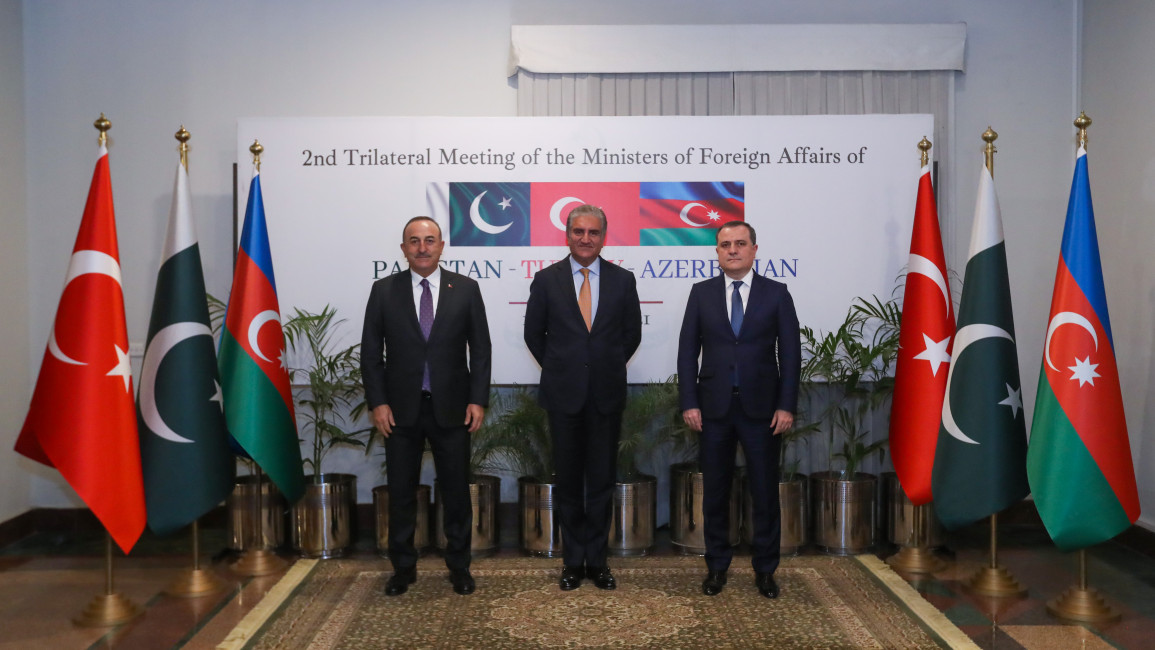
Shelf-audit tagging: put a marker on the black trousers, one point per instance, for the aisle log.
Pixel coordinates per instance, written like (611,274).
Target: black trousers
(719,444)
(403,451)
(585,453)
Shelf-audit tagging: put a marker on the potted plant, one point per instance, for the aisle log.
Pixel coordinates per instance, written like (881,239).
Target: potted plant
(330,402)
(521,444)
(856,363)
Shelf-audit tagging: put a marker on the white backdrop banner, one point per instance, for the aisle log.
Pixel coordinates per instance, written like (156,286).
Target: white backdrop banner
(831,198)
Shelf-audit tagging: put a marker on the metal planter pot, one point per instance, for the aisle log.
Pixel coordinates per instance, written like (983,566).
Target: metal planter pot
(687,523)
(898,517)
(484,492)
(634,518)
(843,512)
(322,521)
(795,520)
(241,506)
(539,527)
(381,508)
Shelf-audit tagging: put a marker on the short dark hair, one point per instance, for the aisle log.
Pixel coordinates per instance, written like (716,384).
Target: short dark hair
(421,218)
(734,224)
(583,210)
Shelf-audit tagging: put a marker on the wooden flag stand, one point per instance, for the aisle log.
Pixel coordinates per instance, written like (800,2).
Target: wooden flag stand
(259,561)
(1082,603)
(110,608)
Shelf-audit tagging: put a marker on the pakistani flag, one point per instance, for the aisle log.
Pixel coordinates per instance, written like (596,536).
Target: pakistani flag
(980,466)
(184,450)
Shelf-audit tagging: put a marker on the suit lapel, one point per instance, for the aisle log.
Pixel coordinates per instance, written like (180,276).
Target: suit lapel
(445,296)
(759,297)
(716,303)
(565,279)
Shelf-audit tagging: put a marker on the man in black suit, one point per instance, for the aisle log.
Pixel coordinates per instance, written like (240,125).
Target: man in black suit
(745,329)
(583,322)
(420,327)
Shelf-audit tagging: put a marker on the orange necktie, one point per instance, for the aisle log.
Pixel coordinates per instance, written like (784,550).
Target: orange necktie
(585,302)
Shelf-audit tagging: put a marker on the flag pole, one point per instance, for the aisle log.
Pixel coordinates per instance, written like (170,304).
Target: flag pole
(1081,602)
(915,556)
(194,582)
(110,608)
(994,580)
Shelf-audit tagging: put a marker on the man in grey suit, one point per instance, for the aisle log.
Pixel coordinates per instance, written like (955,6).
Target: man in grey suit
(744,328)
(583,322)
(425,361)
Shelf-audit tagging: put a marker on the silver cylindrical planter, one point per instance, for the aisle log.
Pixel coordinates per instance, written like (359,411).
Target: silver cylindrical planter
(843,512)
(635,517)
(241,506)
(898,517)
(687,523)
(795,518)
(322,521)
(381,508)
(539,527)
(484,492)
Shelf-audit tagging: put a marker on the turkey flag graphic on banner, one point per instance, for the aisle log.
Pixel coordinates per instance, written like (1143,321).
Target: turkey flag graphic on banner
(83,420)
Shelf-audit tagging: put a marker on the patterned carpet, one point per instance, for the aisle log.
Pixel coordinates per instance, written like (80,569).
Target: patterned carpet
(826,602)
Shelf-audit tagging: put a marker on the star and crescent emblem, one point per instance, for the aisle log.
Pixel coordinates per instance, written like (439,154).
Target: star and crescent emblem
(966,336)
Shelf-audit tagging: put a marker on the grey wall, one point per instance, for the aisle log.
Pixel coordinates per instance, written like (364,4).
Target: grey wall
(14,314)
(152,66)
(1118,57)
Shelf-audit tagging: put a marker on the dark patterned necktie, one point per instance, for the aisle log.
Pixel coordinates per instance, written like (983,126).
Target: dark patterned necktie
(425,318)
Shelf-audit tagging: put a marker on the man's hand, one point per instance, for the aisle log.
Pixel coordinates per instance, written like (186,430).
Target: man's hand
(382,417)
(693,418)
(474,415)
(782,421)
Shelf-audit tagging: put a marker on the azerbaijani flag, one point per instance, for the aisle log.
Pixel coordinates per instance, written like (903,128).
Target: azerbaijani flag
(254,372)
(688,214)
(1079,457)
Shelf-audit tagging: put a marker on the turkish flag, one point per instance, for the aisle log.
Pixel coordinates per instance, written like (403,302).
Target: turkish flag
(926,339)
(551,203)
(82,420)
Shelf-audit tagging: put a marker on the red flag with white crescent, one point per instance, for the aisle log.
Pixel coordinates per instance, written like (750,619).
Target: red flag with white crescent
(925,341)
(82,420)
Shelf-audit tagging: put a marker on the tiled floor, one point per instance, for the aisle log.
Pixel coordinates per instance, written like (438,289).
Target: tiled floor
(47,579)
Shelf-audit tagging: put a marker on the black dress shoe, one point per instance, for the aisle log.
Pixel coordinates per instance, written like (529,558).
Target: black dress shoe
(712,585)
(462,582)
(602,577)
(400,580)
(766,585)
(571,577)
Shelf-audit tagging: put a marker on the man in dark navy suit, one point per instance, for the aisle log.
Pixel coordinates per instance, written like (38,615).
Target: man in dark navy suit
(745,329)
(583,322)
(425,362)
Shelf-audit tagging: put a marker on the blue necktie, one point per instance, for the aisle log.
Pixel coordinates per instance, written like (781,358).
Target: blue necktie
(736,315)
(736,312)
(425,319)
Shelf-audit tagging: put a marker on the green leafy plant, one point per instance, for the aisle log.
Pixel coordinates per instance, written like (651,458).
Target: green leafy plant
(850,371)
(517,437)
(331,400)
(652,418)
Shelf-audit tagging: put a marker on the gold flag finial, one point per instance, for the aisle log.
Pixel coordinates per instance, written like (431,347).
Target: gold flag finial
(103,125)
(924,146)
(256,149)
(182,136)
(1081,123)
(989,136)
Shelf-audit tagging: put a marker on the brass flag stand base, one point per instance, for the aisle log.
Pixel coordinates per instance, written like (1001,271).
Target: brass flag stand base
(195,582)
(917,558)
(110,608)
(993,580)
(1082,603)
(259,561)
